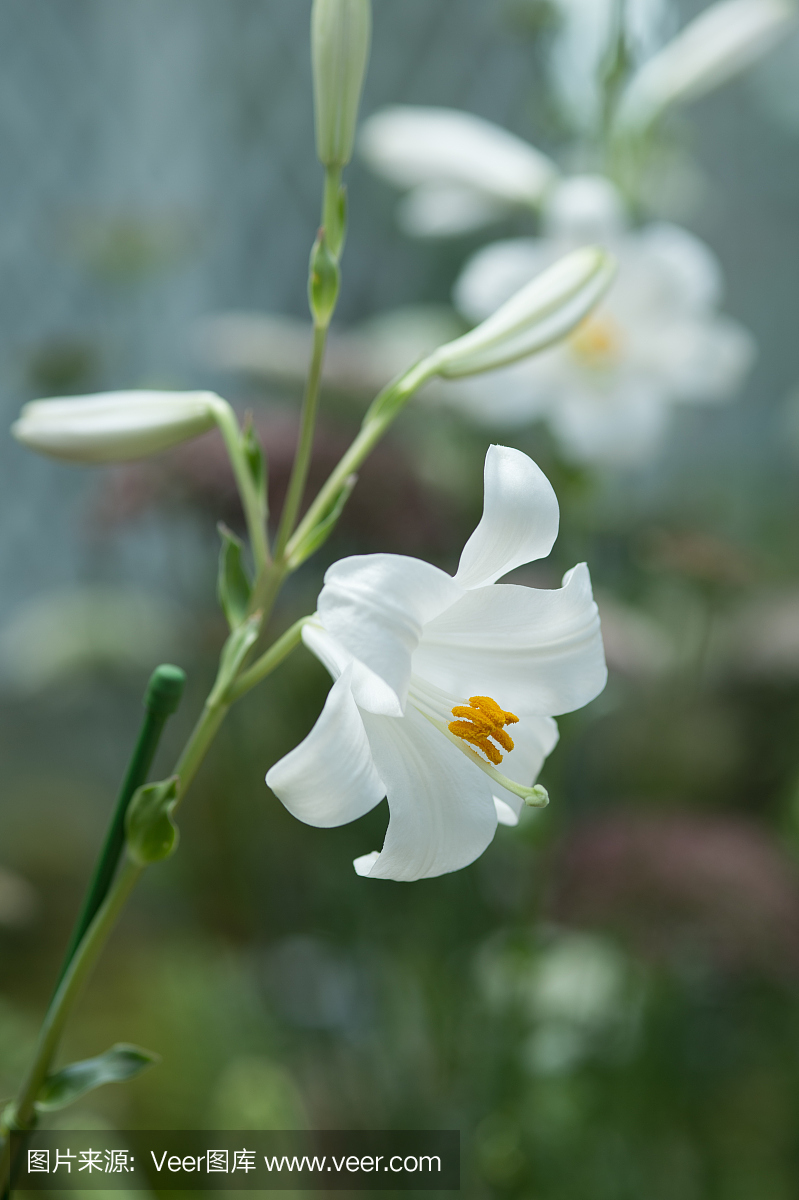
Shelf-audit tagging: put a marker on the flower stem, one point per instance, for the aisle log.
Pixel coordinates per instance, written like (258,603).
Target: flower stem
(271,658)
(161,699)
(96,935)
(84,959)
(382,412)
(302,458)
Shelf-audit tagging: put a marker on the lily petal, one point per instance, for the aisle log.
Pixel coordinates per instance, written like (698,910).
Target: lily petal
(330,778)
(409,146)
(369,690)
(442,810)
(531,650)
(519,522)
(376,605)
(447,210)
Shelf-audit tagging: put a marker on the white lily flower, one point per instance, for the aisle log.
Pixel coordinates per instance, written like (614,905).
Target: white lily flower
(721,42)
(656,340)
(115,426)
(430,669)
(462,172)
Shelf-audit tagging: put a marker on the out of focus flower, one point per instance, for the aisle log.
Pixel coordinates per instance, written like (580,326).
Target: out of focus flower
(655,341)
(681,886)
(115,426)
(721,42)
(462,172)
(586,40)
(543,311)
(361,359)
(410,649)
(576,991)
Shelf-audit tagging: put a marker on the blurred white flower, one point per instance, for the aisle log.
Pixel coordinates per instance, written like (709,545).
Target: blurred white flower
(462,172)
(721,42)
(410,648)
(585,42)
(657,339)
(115,426)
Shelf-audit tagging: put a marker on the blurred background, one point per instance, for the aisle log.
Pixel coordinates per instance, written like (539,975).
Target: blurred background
(607,1002)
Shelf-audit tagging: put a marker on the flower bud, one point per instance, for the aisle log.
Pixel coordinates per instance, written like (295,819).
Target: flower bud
(722,41)
(340,39)
(115,426)
(541,313)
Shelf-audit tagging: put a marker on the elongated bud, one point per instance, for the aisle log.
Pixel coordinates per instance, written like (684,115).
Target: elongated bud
(722,41)
(115,426)
(543,312)
(324,278)
(341,33)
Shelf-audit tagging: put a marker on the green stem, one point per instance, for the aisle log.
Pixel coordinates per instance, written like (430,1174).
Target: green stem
(104,920)
(161,700)
(382,412)
(194,751)
(332,221)
(77,972)
(302,459)
(268,661)
(251,501)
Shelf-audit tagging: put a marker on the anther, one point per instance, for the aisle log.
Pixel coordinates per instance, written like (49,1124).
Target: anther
(481,720)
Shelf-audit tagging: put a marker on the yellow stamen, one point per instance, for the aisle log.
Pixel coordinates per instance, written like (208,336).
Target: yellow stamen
(483,719)
(596,342)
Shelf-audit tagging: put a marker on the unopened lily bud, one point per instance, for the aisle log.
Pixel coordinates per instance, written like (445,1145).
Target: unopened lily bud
(324,279)
(543,312)
(115,426)
(722,41)
(341,33)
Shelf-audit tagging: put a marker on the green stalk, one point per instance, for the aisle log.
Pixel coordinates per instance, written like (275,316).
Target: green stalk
(302,458)
(84,959)
(102,924)
(161,699)
(382,412)
(268,661)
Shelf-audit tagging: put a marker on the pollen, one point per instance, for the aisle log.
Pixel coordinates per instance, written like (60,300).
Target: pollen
(482,720)
(596,342)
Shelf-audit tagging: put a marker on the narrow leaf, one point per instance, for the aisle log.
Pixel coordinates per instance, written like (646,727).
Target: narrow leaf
(233,586)
(256,461)
(69,1084)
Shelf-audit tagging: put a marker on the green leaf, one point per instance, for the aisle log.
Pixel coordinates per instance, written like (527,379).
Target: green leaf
(233,586)
(69,1084)
(324,279)
(322,531)
(256,462)
(151,833)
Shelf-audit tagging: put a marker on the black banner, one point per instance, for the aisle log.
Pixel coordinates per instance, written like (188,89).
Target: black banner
(248,1160)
